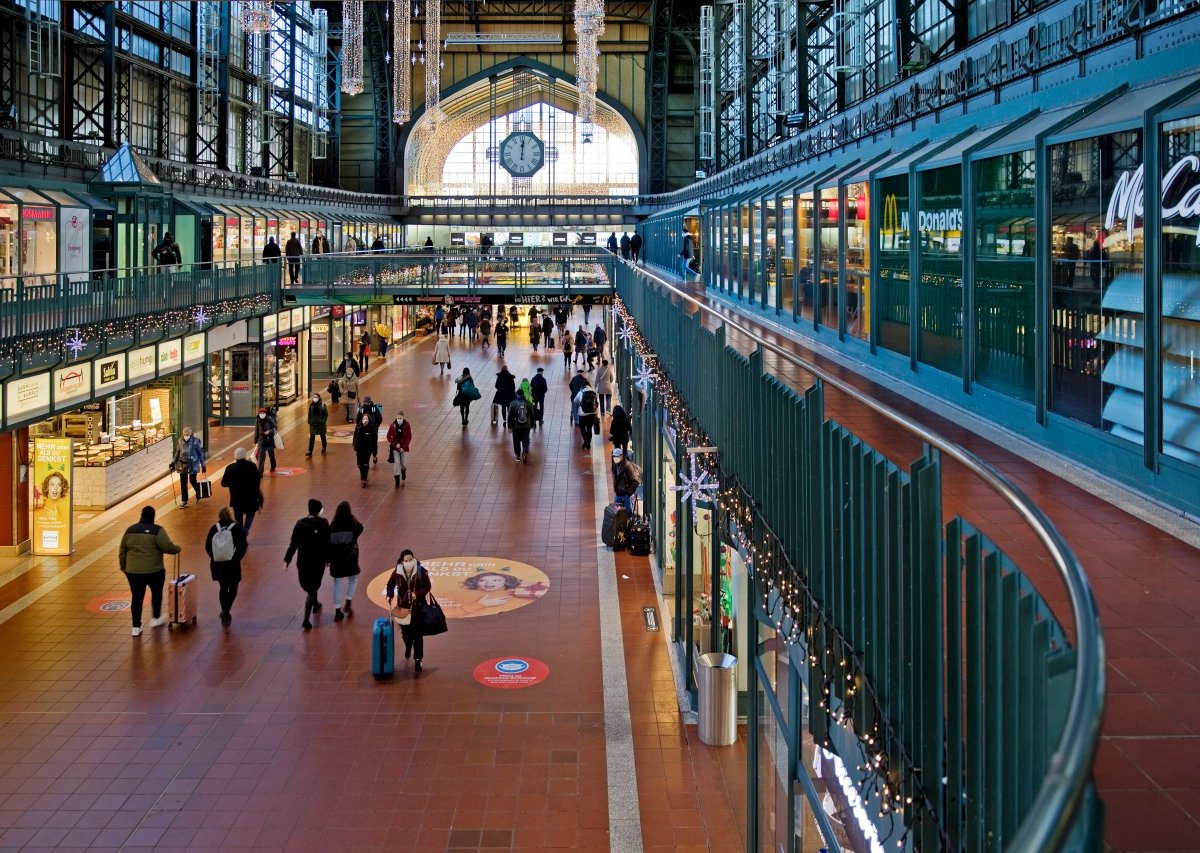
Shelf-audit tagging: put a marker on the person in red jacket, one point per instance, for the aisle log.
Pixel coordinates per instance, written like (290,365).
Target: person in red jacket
(399,437)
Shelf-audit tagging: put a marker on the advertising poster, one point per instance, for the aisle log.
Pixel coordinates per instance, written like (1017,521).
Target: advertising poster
(469,587)
(52,474)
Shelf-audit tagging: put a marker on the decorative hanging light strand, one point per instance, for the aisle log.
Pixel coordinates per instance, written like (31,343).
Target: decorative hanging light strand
(352,46)
(256,15)
(589,26)
(433,62)
(401,61)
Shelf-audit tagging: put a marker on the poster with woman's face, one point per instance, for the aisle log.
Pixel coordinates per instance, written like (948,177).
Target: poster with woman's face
(51,483)
(467,587)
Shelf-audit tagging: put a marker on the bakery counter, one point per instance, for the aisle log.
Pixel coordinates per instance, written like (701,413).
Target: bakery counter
(98,487)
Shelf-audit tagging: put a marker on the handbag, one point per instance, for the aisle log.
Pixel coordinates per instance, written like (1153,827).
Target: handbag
(278,440)
(351,394)
(402,616)
(433,620)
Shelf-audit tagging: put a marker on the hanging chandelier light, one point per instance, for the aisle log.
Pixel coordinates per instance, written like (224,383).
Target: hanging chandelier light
(256,15)
(352,46)
(401,61)
(589,26)
(433,62)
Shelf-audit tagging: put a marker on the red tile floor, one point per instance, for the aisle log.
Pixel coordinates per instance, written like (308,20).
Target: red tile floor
(265,737)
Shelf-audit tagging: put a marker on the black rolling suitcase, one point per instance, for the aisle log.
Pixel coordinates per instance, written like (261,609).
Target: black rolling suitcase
(615,530)
(639,536)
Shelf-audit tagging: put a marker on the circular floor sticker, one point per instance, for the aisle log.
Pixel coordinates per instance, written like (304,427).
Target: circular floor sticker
(475,586)
(114,602)
(286,472)
(511,673)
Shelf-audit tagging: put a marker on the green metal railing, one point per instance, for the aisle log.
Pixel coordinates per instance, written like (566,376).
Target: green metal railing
(986,709)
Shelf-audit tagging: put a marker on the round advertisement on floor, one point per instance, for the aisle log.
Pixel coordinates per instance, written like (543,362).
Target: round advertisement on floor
(467,587)
(511,673)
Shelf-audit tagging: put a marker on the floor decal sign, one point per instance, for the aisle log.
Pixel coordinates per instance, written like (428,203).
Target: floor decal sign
(511,673)
(467,587)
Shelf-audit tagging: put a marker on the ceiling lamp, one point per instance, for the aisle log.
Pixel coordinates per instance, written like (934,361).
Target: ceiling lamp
(352,46)
(433,62)
(256,15)
(540,37)
(589,26)
(401,61)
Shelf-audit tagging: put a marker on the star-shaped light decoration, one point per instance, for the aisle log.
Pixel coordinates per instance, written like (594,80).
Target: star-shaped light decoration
(201,317)
(644,375)
(695,486)
(75,343)
(625,333)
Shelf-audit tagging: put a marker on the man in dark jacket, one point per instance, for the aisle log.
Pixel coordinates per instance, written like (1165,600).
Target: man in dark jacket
(349,361)
(310,542)
(539,386)
(365,441)
(635,246)
(294,249)
(318,420)
(141,559)
(271,252)
(244,482)
(625,246)
(376,410)
(599,338)
(320,246)
(167,253)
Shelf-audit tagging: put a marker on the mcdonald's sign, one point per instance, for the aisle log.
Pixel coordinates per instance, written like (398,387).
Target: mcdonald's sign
(895,222)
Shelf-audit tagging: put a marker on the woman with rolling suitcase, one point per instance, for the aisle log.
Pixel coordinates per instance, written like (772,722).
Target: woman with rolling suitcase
(409,585)
(189,461)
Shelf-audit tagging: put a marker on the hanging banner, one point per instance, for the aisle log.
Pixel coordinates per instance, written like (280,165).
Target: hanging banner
(52,473)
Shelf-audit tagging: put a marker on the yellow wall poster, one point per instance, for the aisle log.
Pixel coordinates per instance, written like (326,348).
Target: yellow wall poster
(52,472)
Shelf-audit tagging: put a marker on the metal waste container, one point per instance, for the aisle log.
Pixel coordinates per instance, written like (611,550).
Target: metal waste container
(716,678)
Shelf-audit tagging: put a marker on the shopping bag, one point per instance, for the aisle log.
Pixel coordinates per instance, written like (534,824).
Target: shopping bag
(278,440)
(433,620)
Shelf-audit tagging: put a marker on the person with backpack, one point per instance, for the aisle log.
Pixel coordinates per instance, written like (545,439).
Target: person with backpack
(408,585)
(189,461)
(310,546)
(141,559)
(501,336)
(538,387)
(439,319)
(466,394)
(344,531)
(520,420)
(399,437)
(589,415)
(318,421)
(226,545)
(364,442)
(265,430)
(578,381)
(506,392)
(441,354)
(166,254)
(627,477)
(244,481)
(605,385)
(581,345)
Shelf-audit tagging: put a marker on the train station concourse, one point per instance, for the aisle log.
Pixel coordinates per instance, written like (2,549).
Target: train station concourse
(600,425)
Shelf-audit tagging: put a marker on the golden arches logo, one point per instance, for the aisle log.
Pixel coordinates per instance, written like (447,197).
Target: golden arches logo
(891,215)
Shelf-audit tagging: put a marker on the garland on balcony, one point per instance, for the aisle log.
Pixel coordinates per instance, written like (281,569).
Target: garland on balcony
(795,612)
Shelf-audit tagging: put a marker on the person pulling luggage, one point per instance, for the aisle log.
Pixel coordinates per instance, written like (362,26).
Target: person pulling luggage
(409,585)
(141,559)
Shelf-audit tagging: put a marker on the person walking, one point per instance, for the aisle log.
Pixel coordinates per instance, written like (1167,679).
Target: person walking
(375,410)
(472,324)
(535,334)
(441,355)
(592,352)
(310,546)
(589,417)
(520,420)
(399,437)
(225,546)
(167,254)
(294,249)
(685,255)
(344,531)
(485,331)
(565,342)
(581,343)
(365,442)
(265,430)
(612,242)
(320,246)
(635,246)
(538,387)
(349,362)
(348,385)
(364,351)
(619,428)
(439,319)
(409,585)
(318,421)
(501,336)
(587,314)
(548,331)
(600,337)
(244,481)
(605,380)
(377,245)
(189,461)
(625,246)
(466,394)
(578,382)
(271,252)
(506,390)
(141,559)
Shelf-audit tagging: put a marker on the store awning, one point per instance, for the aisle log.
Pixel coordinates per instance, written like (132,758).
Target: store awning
(92,201)
(1126,112)
(195,206)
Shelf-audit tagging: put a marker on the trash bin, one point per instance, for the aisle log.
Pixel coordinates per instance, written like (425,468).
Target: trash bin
(717,680)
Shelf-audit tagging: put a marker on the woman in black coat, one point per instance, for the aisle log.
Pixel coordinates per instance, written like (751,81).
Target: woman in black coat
(409,584)
(227,573)
(365,442)
(506,392)
(344,531)
(619,428)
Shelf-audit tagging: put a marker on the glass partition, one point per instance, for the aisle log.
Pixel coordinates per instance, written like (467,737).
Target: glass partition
(770,223)
(856,231)
(806,241)
(1005,289)
(892,290)
(786,241)
(1096,328)
(749,229)
(939,294)
(831,234)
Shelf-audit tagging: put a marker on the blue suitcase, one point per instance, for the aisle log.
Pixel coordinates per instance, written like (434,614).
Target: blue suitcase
(383,648)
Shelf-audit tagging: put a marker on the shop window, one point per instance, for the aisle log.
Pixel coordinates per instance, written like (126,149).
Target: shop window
(827,292)
(1180,160)
(892,289)
(786,240)
(39,241)
(8,240)
(939,292)
(1005,289)
(806,255)
(1096,330)
(856,225)
(770,223)
(774,774)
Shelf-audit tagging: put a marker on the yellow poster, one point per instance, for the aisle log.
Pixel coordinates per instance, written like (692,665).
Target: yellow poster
(52,474)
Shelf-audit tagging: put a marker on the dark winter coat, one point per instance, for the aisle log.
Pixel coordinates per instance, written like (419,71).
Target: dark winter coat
(318,418)
(244,483)
(506,389)
(230,569)
(310,542)
(366,433)
(343,556)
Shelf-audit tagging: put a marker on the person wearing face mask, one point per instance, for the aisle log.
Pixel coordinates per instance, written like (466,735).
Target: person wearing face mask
(318,419)
(399,436)
(310,545)
(409,584)
(189,461)
(365,443)
(264,439)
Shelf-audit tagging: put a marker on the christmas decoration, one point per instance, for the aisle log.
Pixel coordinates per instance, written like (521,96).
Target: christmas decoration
(75,344)
(695,486)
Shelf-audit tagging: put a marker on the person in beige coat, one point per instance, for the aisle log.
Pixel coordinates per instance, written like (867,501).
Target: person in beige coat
(605,380)
(441,354)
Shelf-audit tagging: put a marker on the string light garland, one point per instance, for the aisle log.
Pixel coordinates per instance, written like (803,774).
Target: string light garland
(836,672)
(401,61)
(256,15)
(589,26)
(433,63)
(352,46)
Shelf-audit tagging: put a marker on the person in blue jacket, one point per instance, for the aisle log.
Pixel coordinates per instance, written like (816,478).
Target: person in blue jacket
(189,461)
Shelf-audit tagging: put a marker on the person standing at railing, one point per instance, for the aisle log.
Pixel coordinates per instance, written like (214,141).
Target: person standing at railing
(294,250)
(378,245)
(271,252)
(635,246)
(167,255)
(320,246)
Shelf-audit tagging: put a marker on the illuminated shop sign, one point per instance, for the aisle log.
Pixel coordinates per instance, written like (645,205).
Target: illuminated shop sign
(846,789)
(37,213)
(1179,199)
(896,220)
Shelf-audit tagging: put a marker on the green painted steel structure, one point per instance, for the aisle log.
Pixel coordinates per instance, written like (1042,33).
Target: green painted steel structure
(918,635)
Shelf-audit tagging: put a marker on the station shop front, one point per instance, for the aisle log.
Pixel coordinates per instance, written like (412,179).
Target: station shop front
(266,364)
(339,329)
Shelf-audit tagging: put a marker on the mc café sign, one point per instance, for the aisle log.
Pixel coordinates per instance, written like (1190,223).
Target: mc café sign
(1180,200)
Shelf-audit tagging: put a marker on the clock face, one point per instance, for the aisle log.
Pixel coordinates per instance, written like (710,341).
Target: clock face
(522,154)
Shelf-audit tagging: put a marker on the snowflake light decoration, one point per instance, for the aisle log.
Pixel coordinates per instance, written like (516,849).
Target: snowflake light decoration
(201,317)
(644,375)
(625,333)
(75,344)
(695,486)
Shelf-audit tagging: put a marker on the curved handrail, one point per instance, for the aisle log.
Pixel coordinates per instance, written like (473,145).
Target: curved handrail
(1048,820)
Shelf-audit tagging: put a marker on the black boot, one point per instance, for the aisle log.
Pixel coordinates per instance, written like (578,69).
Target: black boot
(397,479)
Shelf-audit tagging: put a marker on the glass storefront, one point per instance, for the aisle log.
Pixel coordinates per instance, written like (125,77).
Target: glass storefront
(939,292)
(856,240)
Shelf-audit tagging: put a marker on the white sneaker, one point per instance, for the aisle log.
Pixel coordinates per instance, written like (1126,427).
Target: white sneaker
(137,632)
(161,620)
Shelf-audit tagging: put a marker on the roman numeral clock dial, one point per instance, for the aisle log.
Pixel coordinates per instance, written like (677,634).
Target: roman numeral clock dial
(522,154)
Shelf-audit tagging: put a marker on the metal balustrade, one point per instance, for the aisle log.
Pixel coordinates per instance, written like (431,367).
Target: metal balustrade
(986,709)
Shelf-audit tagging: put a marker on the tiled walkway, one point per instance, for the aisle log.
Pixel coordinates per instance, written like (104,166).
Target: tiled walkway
(1146,582)
(265,737)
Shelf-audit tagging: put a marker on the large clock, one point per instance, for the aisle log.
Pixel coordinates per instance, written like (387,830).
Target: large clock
(522,154)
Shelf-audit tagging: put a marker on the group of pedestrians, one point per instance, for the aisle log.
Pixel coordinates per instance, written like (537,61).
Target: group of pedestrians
(629,246)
